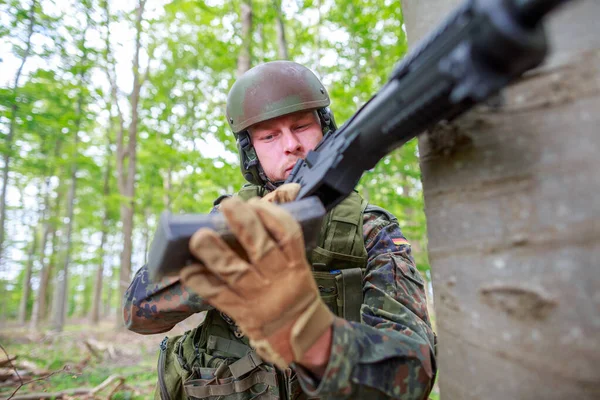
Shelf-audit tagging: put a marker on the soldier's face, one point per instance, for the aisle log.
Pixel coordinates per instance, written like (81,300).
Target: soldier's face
(281,141)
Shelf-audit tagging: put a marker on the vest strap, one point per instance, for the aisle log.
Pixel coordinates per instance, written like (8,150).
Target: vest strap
(245,364)
(353,295)
(227,346)
(202,388)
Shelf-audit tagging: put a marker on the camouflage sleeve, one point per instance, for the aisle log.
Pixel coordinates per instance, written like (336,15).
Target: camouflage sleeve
(157,307)
(389,355)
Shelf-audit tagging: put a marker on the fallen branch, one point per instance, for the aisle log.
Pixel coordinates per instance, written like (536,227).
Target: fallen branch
(107,382)
(95,347)
(92,350)
(8,361)
(116,389)
(13,367)
(21,383)
(30,367)
(74,392)
(64,369)
(57,395)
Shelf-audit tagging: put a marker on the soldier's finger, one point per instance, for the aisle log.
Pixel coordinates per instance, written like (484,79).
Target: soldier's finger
(283,227)
(208,247)
(201,281)
(283,194)
(250,232)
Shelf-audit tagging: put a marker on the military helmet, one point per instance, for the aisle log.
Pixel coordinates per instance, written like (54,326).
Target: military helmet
(268,91)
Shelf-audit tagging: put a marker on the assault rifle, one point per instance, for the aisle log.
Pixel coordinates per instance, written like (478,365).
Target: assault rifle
(479,49)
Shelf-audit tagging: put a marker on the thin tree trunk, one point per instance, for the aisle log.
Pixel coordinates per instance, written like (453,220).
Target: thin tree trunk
(53,260)
(11,129)
(109,295)
(127,180)
(39,301)
(62,281)
(244,62)
(147,234)
(40,308)
(27,277)
(514,225)
(318,40)
(282,49)
(97,299)
(167,187)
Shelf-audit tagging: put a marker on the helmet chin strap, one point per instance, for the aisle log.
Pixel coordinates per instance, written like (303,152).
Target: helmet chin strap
(269,184)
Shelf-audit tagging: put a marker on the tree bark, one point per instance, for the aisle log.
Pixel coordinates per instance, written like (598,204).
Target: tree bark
(11,128)
(39,307)
(39,302)
(109,295)
(62,277)
(244,62)
(167,187)
(514,227)
(282,49)
(318,39)
(127,179)
(147,233)
(97,299)
(27,277)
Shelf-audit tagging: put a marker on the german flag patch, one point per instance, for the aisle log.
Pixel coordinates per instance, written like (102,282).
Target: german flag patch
(400,241)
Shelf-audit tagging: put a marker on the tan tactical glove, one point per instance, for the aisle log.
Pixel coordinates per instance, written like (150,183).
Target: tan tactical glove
(283,194)
(272,296)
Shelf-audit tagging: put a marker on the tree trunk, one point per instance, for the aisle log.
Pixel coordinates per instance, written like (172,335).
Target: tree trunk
(35,313)
(318,39)
(53,260)
(147,233)
(97,299)
(39,305)
(109,295)
(62,277)
(244,62)
(40,311)
(27,278)
(282,50)
(127,180)
(167,187)
(514,225)
(11,129)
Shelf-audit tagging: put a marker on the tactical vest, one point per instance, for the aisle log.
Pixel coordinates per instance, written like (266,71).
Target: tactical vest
(214,360)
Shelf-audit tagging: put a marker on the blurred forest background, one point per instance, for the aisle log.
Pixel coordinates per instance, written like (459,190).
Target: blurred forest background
(111,112)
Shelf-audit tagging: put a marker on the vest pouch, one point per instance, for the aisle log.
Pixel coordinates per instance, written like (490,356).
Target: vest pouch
(328,289)
(350,295)
(260,384)
(211,362)
(171,372)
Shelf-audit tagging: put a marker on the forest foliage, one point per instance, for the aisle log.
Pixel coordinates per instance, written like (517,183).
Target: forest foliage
(90,88)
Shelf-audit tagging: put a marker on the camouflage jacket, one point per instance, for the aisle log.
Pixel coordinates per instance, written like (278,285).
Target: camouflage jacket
(389,355)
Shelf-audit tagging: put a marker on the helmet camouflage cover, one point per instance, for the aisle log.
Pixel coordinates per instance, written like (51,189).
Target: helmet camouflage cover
(268,91)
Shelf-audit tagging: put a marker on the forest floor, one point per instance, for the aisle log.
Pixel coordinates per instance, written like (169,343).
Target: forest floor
(82,362)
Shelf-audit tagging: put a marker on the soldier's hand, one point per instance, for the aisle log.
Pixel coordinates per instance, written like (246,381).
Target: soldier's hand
(272,296)
(283,194)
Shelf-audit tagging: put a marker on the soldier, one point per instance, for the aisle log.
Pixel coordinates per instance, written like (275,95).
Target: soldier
(346,320)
